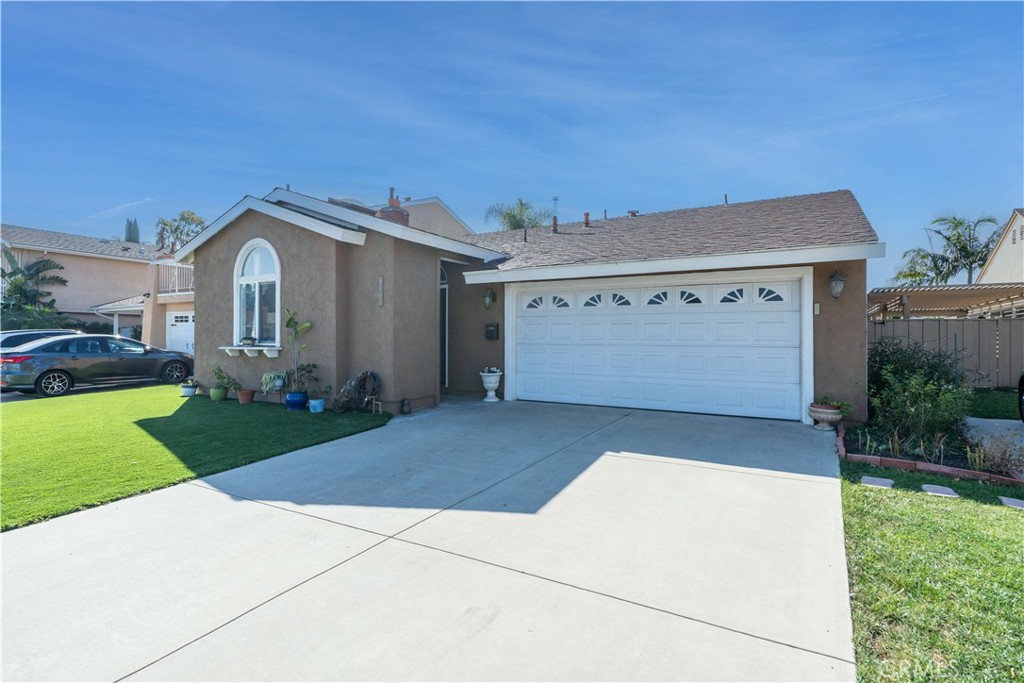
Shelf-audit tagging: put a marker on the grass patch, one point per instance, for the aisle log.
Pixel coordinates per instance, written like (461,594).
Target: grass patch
(937,584)
(994,404)
(64,454)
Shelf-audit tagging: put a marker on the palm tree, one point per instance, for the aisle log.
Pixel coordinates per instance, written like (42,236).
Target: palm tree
(965,248)
(518,216)
(962,249)
(23,285)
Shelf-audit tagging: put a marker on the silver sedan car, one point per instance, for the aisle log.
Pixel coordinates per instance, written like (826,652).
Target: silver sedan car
(51,367)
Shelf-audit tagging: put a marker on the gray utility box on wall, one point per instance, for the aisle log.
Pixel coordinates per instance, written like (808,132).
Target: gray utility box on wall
(491,331)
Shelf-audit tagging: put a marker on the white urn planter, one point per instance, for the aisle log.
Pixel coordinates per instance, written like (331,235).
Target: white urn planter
(826,417)
(491,381)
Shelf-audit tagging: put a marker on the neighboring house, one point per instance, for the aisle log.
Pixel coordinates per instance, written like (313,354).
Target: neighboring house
(124,283)
(723,309)
(433,215)
(998,291)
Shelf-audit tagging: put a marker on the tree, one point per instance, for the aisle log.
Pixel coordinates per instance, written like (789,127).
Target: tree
(961,249)
(131,231)
(964,246)
(518,216)
(24,303)
(171,234)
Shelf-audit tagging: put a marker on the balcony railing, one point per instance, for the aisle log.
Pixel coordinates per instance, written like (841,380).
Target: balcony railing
(175,279)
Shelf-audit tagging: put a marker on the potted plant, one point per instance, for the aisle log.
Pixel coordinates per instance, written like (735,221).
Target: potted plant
(189,387)
(318,398)
(828,412)
(273,380)
(491,378)
(245,395)
(300,374)
(223,383)
(247,341)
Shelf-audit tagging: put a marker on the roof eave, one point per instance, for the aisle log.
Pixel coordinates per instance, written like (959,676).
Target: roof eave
(759,259)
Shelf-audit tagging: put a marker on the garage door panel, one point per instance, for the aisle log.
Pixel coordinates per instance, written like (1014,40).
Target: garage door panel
(735,353)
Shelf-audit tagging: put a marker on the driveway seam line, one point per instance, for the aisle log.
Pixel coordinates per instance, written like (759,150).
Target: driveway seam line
(628,601)
(250,610)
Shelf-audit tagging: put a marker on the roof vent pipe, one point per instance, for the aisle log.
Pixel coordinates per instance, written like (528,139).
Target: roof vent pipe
(727,199)
(633,213)
(554,224)
(586,219)
(606,214)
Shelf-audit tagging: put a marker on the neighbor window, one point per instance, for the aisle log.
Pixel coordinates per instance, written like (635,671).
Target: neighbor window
(257,287)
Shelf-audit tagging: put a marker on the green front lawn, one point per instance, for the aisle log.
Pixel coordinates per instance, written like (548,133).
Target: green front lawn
(937,584)
(64,454)
(994,404)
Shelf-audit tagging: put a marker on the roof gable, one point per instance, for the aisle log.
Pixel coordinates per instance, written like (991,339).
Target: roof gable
(333,220)
(1013,234)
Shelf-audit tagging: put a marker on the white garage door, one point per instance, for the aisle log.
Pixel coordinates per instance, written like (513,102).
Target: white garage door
(181,331)
(730,349)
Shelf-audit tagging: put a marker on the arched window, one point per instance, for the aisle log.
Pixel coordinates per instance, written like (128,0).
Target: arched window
(258,294)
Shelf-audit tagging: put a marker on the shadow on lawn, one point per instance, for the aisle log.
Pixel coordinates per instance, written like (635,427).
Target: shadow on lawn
(435,463)
(978,491)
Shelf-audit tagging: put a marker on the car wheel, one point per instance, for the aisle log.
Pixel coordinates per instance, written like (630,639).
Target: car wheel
(53,383)
(174,373)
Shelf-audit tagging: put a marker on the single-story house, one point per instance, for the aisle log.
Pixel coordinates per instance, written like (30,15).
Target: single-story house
(752,308)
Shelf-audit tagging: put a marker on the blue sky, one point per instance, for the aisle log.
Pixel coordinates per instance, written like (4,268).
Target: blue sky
(115,111)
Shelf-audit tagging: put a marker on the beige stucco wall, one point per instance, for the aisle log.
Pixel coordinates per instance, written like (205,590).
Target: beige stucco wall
(840,337)
(468,350)
(91,280)
(308,282)
(417,325)
(432,217)
(369,328)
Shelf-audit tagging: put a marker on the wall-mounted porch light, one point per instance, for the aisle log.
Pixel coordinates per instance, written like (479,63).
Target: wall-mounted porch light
(489,298)
(836,284)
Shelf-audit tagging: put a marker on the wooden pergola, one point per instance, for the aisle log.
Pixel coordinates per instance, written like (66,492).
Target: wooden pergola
(945,301)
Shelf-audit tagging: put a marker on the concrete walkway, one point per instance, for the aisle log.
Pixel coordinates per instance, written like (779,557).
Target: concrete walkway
(518,541)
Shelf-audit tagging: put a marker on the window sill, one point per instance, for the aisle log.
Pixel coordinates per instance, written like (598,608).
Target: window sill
(251,351)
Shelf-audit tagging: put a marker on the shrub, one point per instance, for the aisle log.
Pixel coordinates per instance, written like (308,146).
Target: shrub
(906,357)
(1000,454)
(917,413)
(222,380)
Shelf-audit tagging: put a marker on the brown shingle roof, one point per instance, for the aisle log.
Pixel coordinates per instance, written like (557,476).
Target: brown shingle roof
(812,220)
(33,238)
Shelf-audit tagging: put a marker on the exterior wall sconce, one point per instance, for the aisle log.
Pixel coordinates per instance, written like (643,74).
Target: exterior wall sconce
(489,298)
(836,284)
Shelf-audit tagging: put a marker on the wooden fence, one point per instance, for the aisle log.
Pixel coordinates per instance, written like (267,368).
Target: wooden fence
(991,350)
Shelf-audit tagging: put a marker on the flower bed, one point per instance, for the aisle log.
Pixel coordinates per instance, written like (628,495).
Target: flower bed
(908,465)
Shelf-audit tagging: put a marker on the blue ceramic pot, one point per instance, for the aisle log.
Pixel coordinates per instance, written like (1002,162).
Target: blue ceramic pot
(296,400)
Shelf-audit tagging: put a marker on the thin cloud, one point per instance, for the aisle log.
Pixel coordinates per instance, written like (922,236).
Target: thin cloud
(113,211)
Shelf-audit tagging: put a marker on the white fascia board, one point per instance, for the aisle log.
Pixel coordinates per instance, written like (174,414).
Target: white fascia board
(120,308)
(184,254)
(761,259)
(380,225)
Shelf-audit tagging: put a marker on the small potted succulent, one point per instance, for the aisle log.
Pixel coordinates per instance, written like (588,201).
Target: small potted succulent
(491,378)
(828,412)
(189,387)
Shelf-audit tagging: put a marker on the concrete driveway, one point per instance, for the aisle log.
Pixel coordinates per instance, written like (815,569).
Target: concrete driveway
(513,541)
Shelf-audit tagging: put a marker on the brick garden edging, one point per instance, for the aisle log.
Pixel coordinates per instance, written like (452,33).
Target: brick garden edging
(915,466)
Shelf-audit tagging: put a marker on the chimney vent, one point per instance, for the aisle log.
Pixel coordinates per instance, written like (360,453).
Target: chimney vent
(586,219)
(393,211)
(633,213)
(554,224)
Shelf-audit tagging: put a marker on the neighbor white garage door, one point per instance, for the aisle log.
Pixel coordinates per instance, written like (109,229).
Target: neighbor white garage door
(730,349)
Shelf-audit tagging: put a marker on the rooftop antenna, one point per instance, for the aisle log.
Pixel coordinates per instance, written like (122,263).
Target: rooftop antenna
(554,200)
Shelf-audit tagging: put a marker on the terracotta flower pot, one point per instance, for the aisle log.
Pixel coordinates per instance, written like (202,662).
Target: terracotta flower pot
(246,395)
